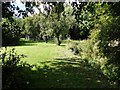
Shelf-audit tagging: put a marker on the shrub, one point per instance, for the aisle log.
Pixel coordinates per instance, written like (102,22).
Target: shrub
(90,53)
(12,70)
(102,50)
(11,32)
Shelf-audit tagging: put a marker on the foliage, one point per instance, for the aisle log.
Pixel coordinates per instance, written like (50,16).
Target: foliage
(74,47)
(46,30)
(57,23)
(85,21)
(106,32)
(8,10)
(29,27)
(102,49)
(11,31)
(37,27)
(89,53)
(84,14)
(62,22)
(110,43)
(13,77)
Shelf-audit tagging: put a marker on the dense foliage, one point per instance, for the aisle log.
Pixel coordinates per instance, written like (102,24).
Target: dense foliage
(102,49)
(61,23)
(11,31)
(12,73)
(55,24)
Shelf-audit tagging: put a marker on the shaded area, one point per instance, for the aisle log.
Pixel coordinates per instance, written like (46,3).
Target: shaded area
(24,42)
(72,73)
(60,73)
(63,45)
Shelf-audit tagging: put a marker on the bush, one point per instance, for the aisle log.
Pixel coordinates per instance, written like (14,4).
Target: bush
(106,33)
(11,32)
(102,50)
(12,70)
(90,53)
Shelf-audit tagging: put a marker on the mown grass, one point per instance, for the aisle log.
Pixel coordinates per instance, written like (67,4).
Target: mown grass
(38,51)
(57,67)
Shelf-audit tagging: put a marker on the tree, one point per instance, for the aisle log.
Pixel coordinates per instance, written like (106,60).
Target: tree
(37,27)
(62,21)
(106,34)
(75,31)
(57,23)
(7,10)
(46,30)
(85,20)
(11,31)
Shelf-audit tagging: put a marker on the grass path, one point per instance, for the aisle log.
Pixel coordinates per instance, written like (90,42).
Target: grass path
(59,68)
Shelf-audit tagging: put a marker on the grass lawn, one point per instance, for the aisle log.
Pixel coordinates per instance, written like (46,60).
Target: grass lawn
(39,52)
(57,67)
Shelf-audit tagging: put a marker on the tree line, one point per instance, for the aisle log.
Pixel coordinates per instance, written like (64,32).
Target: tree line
(62,21)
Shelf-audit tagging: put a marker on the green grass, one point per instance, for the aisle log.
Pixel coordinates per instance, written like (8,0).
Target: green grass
(38,52)
(57,67)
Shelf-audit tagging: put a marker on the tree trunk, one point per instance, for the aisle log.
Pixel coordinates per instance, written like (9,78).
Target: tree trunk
(58,41)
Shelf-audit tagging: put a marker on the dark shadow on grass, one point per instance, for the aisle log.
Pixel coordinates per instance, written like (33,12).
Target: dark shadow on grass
(62,45)
(26,43)
(72,73)
(60,73)
(32,43)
